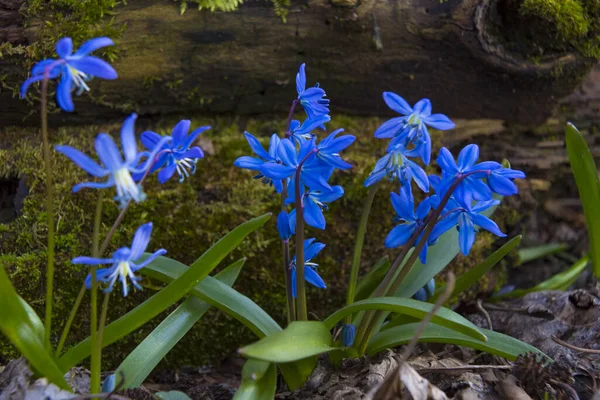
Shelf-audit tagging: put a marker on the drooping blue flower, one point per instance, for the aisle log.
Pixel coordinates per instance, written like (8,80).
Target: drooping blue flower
(501,181)
(348,334)
(265,157)
(299,132)
(468,219)
(311,249)
(396,165)
(177,154)
(312,174)
(329,149)
(124,262)
(314,202)
(411,127)
(283,225)
(312,99)
(424,293)
(411,221)
(75,69)
(118,171)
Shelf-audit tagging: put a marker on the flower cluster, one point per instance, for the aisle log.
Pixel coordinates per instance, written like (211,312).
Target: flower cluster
(300,169)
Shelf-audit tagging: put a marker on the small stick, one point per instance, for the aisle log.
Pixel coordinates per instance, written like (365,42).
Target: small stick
(464,368)
(485,314)
(574,348)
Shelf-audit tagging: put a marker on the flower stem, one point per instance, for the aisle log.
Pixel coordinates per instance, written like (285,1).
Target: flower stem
(290,116)
(95,357)
(72,314)
(291,307)
(100,337)
(49,212)
(358,246)
(301,308)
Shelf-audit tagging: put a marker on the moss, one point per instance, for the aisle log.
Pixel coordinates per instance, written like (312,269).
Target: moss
(188,218)
(281,6)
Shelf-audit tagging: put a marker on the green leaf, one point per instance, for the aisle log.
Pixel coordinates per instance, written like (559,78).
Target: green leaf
(172,395)
(34,320)
(533,253)
(559,281)
(497,343)
(218,295)
(259,381)
(469,278)
(301,339)
(21,328)
(146,356)
(586,177)
(167,296)
(410,307)
(296,373)
(438,257)
(368,283)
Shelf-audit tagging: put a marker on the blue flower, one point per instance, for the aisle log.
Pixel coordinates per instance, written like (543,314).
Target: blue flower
(468,219)
(396,165)
(311,249)
(424,293)
(75,69)
(299,132)
(284,226)
(255,164)
(312,99)
(312,174)
(177,154)
(501,181)
(118,171)
(329,149)
(124,262)
(314,202)
(411,127)
(348,334)
(471,187)
(411,221)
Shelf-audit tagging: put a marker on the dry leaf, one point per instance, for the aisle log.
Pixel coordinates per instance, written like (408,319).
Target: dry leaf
(405,380)
(510,390)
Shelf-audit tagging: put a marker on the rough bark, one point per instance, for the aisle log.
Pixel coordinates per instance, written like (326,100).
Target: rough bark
(244,62)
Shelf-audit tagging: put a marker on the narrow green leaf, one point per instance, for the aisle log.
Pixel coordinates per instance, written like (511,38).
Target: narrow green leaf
(533,253)
(218,295)
(172,395)
(34,320)
(301,339)
(146,356)
(560,281)
(167,296)
(368,283)
(468,279)
(497,343)
(259,381)
(586,177)
(410,307)
(19,326)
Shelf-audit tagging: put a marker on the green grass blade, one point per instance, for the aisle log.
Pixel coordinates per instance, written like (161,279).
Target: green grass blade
(368,283)
(533,253)
(301,339)
(22,329)
(167,296)
(218,295)
(410,307)
(259,381)
(469,278)
(586,177)
(560,281)
(497,343)
(146,356)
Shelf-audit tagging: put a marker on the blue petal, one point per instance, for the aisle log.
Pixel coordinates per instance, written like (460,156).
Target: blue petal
(287,153)
(313,215)
(419,176)
(311,276)
(150,139)
(310,124)
(397,103)
(83,161)
(375,177)
(466,235)
(443,225)
(63,93)
(315,181)
(423,209)
(28,82)
(283,225)
(510,173)
(92,45)
(348,334)
(166,173)
(390,128)
(421,295)
(399,235)
(180,132)
(301,79)
(484,205)
(439,122)
(40,67)
(64,47)
(256,146)
(486,223)
(312,248)
(502,185)
(430,287)
(293,279)
(276,171)
(193,153)
(327,197)
(152,257)
(195,133)
(128,141)
(101,276)
(468,156)
(273,146)
(423,108)
(140,241)
(446,161)
(94,185)
(92,260)
(481,191)
(249,163)
(404,204)
(108,152)
(312,95)
(94,66)
(340,143)
(423,254)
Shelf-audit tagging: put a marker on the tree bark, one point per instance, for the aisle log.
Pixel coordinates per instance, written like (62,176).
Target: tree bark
(244,62)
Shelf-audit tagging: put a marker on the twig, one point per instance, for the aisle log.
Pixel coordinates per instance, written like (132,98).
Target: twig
(574,348)
(463,368)
(485,314)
